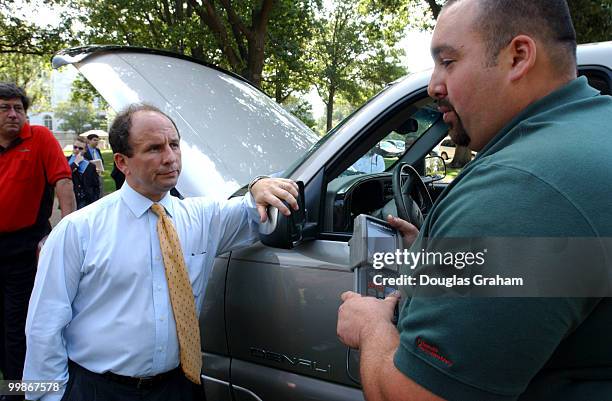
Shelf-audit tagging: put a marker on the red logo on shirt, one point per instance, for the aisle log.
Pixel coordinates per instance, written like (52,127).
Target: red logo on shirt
(432,350)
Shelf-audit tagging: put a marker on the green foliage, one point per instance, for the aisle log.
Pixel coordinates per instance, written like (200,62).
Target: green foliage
(236,35)
(20,36)
(342,109)
(592,19)
(286,69)
(352,54)
(84,92)
(31,72)
(107,180)
(301,109)
(80,117)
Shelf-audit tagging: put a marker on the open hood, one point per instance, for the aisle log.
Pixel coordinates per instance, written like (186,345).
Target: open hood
(230,130)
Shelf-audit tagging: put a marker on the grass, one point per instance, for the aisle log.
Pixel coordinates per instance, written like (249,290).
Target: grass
(451,173)
(109,183)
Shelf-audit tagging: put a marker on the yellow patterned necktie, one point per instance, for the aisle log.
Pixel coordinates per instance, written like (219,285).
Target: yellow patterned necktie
(181,296)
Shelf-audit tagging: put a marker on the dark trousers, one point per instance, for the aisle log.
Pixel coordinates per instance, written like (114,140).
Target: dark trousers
(84,385)
(17,273)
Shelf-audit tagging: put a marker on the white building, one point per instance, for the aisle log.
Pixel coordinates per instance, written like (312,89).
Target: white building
(60,86)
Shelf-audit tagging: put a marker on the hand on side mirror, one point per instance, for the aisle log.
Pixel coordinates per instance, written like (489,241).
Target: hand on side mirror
(282,230)
(272,192)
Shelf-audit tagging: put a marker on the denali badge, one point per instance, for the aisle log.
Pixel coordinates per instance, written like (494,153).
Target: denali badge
(293,361)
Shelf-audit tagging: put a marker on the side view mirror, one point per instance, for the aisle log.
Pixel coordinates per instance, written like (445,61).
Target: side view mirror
(281,231)
(435,167)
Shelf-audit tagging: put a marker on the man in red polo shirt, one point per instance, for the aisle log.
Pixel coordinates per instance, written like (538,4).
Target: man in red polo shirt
(31,164)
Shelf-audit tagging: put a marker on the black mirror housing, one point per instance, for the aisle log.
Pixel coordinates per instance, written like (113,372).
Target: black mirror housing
(281,231)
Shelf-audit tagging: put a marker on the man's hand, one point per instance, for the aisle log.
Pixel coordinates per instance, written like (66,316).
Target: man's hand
(358,316)
(272,192)
(409,231)
(78,158)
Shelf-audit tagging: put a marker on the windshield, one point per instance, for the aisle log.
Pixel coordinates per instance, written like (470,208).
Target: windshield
(396,142)
(291,169)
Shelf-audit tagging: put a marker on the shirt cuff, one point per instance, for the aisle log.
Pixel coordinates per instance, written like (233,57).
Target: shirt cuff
(251,207)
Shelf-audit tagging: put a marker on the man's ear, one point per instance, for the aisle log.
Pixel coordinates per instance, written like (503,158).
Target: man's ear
(121,161)
(522,54)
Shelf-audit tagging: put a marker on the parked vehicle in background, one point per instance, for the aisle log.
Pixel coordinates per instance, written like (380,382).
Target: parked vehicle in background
(389,149)
(268,320)
(400,145)
(447,148)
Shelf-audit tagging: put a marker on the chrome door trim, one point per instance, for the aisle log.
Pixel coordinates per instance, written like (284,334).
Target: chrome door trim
(249,392)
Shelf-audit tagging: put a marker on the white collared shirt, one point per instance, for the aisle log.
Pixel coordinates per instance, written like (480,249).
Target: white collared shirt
(101,298)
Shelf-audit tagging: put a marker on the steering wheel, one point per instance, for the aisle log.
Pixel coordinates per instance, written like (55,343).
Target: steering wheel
(410,194)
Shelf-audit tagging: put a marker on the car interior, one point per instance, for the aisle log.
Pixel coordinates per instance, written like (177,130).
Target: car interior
(363,185)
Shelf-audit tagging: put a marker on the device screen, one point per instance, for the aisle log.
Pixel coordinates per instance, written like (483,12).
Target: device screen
(380,238)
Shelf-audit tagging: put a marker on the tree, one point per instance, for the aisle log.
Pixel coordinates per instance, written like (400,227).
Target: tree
(31,73)
(79,117)
(301,109)
(84,92)
(352,54)
(592,19)
(20,36)
(286,69)
(228,33)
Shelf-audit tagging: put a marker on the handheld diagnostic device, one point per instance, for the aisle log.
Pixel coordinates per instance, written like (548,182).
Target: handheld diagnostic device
(371,239)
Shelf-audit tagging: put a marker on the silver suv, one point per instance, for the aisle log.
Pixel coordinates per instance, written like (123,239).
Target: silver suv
(269,313)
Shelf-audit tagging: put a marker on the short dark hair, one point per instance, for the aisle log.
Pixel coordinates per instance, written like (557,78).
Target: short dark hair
(119,132)
(92,136)
(9,91)
(499,21)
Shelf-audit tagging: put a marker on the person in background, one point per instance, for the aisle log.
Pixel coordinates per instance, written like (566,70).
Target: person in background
(31,165)
(117,176)
(85,179)
(371,162)
(93,153)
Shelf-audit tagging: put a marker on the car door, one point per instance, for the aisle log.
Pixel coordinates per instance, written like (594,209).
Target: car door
(281,305)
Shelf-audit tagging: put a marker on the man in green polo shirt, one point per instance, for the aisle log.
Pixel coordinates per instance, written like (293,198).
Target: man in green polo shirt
(505,79)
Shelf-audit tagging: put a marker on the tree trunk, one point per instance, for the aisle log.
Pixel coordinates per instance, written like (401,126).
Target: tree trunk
(462,156)
(197,52)
(256,59)
(434,7)
(330,109)
(278,89)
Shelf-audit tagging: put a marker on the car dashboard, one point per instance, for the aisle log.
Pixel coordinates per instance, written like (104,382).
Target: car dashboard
(353,195)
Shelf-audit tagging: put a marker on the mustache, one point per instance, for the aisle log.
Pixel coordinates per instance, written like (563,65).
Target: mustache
(445,103)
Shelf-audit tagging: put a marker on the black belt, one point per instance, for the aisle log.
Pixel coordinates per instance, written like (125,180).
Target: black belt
(142,382)
(138,382)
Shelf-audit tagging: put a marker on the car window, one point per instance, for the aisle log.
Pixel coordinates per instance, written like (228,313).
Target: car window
(395,143)
(365,186)
(454,157)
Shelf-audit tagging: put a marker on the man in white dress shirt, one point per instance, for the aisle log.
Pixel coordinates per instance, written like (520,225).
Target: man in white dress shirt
(100,316)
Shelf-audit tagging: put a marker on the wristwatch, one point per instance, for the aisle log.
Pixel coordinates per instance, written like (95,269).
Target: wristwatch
(254,181)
